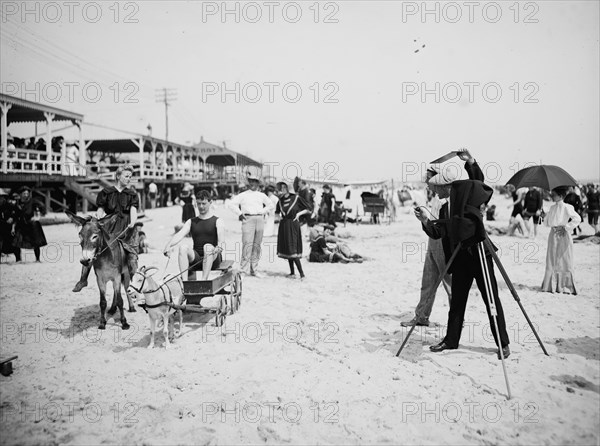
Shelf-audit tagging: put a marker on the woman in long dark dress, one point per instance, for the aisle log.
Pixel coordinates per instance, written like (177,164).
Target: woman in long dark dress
(8,216)
(30,234)
(187,198)
(289,238)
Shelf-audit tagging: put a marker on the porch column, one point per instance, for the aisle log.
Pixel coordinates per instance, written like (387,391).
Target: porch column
(153,160)
(140,144)
(203,167)
(5,107)
(174,162)
(49,117)
(66,169)
(82,151)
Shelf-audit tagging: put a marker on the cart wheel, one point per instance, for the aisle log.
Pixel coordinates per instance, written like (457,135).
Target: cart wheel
(237,291)
(221,312)
(231,303)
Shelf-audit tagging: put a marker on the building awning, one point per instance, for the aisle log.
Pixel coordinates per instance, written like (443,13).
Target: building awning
(222,156)
(210,153)
(131,145)
(23,110)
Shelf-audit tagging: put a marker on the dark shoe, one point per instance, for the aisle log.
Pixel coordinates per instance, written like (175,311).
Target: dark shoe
(79,286)
(441,347)
(505,352)
(414,321)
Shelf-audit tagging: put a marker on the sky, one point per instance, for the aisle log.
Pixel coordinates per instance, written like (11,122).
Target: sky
(345,90)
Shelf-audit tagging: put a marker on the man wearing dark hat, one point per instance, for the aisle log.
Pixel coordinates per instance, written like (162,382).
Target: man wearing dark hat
(457,223)
(251,206)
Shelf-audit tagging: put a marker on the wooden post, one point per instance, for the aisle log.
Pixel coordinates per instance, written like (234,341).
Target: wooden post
(47,200)
(140,143)
(82,147)
(49,117)
(4,131)
(153,161)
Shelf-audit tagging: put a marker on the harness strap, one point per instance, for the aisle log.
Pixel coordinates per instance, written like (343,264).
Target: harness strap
(164,302)
(157,305)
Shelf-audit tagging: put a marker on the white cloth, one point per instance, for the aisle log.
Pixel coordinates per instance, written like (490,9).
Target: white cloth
(559,256)
(560,214)
(436,204)
(270,222)
(251,202)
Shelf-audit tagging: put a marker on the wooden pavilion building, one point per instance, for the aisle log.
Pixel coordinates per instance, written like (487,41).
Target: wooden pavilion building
(69,174)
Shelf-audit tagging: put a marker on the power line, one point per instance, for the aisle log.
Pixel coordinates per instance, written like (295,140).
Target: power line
(90,70)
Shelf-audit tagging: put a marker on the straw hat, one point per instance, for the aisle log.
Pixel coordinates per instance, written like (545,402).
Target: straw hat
(445,177)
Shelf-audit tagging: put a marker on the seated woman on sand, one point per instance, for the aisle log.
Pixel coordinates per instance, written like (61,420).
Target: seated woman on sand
(322,250)
(334,243)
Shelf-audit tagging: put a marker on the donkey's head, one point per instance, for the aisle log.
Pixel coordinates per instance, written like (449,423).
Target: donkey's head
(92,236)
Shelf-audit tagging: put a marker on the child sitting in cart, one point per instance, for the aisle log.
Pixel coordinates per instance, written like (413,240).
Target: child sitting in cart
(207,231)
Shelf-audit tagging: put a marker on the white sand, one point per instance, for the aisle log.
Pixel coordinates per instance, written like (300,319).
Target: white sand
(303,362)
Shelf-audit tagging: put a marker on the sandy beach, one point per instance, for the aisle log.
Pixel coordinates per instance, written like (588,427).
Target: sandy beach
(302,362)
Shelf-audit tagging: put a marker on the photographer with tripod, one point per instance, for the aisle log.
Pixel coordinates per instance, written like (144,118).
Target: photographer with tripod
(460,226)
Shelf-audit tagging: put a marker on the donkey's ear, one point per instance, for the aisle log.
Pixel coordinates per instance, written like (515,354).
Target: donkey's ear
(75,218)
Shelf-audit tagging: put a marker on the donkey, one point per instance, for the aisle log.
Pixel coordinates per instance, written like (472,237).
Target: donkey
(109,261)
(156,300)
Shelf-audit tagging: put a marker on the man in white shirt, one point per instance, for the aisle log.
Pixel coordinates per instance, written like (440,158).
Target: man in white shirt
(251,206)
(434,261)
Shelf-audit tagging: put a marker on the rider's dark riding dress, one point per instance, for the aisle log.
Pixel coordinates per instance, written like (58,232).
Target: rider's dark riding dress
(120,203)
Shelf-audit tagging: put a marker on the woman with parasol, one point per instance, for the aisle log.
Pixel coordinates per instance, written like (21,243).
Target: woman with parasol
(561,218)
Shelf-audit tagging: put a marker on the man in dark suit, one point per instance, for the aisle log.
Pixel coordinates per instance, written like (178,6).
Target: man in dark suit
(459,222)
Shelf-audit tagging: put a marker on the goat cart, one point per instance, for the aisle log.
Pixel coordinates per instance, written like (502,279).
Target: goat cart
(228,285)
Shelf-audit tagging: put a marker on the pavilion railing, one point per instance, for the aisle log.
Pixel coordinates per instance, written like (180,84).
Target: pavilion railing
(36,162)
(30,161)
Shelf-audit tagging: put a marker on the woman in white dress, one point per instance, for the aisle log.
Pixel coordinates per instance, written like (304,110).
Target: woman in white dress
(561,218)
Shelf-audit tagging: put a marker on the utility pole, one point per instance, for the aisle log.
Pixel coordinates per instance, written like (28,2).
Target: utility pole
(166,95)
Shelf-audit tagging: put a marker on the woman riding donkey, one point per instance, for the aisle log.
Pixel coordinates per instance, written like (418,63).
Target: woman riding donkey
(123,201)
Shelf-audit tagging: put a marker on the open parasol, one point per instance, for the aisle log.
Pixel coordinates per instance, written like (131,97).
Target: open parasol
(545,176)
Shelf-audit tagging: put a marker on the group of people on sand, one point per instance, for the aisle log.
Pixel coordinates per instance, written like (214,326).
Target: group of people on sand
(207,230)
(454,216)
(20,226)
(255,210)
(528,213)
